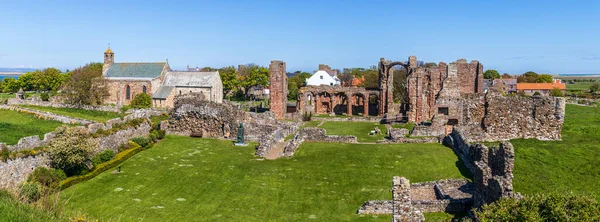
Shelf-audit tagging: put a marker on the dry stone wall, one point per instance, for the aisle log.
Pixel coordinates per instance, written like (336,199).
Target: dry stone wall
(112,142)
(38,102)
(48,115)
(13,172)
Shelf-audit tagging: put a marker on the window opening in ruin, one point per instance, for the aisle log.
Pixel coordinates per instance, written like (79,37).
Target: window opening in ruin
(309,100)
(443,110)
(144,89)
(453,122)
(127,92)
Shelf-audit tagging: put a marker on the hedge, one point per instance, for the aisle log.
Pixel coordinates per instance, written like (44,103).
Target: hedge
(119,158)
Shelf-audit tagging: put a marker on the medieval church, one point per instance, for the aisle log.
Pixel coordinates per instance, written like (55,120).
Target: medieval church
(125,80)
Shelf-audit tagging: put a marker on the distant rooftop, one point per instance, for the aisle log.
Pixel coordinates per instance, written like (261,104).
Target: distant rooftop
(135,70)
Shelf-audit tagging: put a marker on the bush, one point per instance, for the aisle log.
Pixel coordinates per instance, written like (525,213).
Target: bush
(119,158)
(306,117)
(142,141)
(4,153)
(30,191)
(141,100)
(103,157)
(161,134)
(46,177)
(71,150)
(536,94)
(556,92)
(45,96)
(542,207)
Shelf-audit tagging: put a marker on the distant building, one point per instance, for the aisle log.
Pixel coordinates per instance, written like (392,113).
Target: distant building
(322,78)
(125,80)
(505,86)
(542,88)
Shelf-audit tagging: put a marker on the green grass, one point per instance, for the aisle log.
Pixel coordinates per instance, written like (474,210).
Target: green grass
(311,124)
(15,125)
(98,116)
(579,86)
(561,166)
(408,126)
(359,129)
(220,182)
(7,96)
(328,116)
(13,210)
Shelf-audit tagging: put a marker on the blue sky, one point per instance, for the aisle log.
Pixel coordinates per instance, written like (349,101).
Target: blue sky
(510,36)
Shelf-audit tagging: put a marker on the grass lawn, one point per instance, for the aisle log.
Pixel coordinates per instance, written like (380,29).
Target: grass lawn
(191,179)
(98,116)
(311,124)
(572,164)
(408,126)
(7,95)
(579,86)
(15,125)
(359,129)
(13,210)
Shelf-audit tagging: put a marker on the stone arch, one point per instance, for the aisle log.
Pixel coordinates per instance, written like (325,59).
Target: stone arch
(357,102)
(144,89)
(373,104)
(340,105)
(386,84)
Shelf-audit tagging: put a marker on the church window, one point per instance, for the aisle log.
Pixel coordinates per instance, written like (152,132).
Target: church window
(127,92)
(144,89)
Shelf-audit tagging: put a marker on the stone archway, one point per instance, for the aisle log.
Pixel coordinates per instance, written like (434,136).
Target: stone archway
(358,104)
(386,85)
(341,103)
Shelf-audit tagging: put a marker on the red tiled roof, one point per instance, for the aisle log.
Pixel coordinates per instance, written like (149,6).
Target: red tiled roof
(540,86)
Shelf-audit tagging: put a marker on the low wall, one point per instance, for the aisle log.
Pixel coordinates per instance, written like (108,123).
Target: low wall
(377,207)
(373,119)
(313,134)
(13,172)
(48,115)
(112,142)
(30,142)
(34,102)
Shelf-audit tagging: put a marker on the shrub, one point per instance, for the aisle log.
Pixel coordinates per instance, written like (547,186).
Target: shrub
(141,100)
(142,141)
(153,135)
(161,134)
(4,153)
(536,94)
(30,191)
(306,117)
(71,150)
(119,158)
(46,177)
(556,92)
(542,207)
(45,96)
(103,157)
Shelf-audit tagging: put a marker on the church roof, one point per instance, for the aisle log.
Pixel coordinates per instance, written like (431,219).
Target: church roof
(191,79)
(162,92)
(135,70)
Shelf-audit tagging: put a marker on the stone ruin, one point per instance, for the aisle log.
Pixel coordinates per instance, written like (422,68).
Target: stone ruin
(492,170)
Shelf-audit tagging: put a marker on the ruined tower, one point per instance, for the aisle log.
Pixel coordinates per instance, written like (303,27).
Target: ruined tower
(278,91)
(109,58)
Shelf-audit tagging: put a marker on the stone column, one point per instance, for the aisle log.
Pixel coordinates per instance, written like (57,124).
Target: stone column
(317,103)
(366,106)
(332,103)
(349,106)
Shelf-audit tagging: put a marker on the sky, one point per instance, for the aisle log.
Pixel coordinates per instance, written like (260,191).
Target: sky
(509,36)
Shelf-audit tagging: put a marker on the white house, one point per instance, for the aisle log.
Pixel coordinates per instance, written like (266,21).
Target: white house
(322,78)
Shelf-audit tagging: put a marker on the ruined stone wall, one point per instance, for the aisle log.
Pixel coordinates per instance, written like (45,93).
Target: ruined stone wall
(48,115)
(470,75)
(205,119)
(402,202)
(112,142)
(492,168)
(13,172)
(496,117)
(35,102)
(278,88)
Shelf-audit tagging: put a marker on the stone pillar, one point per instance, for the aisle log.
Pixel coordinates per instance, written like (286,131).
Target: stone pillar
(278,90)
(317,104)
(349,106)
(401,199)
(333,104)
(366,106)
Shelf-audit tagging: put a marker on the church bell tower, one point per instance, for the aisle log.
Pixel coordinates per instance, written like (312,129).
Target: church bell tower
(109,58)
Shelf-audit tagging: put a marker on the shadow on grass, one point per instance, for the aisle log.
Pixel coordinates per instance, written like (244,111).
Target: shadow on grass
(464,171)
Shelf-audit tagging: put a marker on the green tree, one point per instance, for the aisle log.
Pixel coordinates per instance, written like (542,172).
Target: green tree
(528,77)
(544,78)
(595,87)
(556,92)
(71,150)
(11,85)
(141,101)
(27,80)
(371,77)
(86,85)
(491,74)
(49,79)
(507,76)
(228,78)
(400,94)
(253,76)
(295,82)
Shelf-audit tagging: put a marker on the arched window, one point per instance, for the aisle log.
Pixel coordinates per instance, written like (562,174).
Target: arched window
(144,89)
(179,92)
(127,92)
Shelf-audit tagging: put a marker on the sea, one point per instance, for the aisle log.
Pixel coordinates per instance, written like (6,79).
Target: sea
(585,75)
(2,77)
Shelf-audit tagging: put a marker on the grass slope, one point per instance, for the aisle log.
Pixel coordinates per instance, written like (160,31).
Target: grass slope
(12,210)
(359,129)
(560,166)
(98,116)
(190,179)
(15,125)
